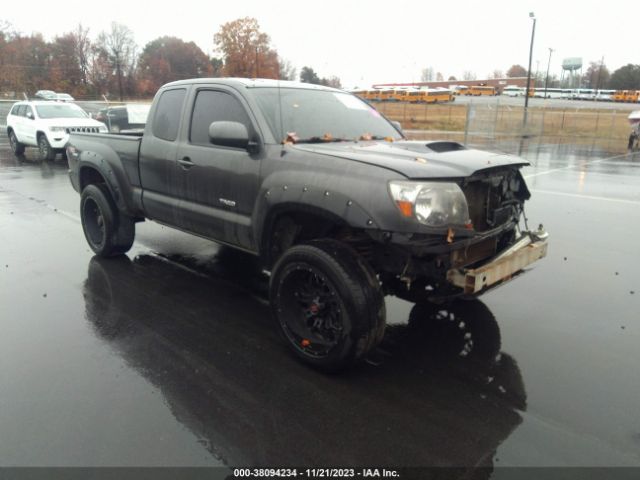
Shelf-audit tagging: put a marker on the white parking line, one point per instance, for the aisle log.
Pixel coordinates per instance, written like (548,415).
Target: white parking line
(574,166)
(588,197)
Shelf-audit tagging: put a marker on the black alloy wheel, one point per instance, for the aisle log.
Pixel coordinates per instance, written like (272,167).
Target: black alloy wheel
(327,303)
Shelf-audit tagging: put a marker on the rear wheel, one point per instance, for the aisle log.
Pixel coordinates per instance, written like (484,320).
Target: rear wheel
(16,146)
(45,152)
(107,231)
(327,303)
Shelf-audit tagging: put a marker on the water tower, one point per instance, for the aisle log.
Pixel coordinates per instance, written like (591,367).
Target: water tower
(572,65)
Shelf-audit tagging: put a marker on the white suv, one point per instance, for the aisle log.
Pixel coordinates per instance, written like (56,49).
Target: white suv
(47,125)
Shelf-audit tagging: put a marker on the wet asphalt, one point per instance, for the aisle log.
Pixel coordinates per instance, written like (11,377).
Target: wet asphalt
(168,356)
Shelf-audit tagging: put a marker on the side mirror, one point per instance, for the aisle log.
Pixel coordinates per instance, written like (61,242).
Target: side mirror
(229,134)
(30,115)
(397,125)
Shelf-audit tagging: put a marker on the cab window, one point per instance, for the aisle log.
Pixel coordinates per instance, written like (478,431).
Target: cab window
(168,114)
(213,106)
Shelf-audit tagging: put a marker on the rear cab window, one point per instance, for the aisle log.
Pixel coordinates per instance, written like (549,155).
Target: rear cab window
(166,120)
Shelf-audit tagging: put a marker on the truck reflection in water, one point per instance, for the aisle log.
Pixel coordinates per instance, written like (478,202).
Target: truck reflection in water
(437,393)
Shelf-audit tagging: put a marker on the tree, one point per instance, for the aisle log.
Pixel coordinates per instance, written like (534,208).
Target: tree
(427,74)
(596,76)
(626,78)
(82,46)
(332,81)
(217,66)
(308,75)
(246,50)
(167,59)
(516,71)
(496,74)
(439,77)
(120,48)
(452,78)
(65,70)
(286,70)
(468,75)
(25,63)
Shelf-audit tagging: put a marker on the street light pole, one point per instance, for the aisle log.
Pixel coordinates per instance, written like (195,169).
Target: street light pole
(547,79)
(526,96)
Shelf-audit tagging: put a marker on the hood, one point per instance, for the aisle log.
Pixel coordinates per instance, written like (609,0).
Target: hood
(417,159)
(71,122)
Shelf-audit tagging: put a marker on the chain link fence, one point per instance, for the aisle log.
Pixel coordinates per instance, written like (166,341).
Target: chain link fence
(504,127)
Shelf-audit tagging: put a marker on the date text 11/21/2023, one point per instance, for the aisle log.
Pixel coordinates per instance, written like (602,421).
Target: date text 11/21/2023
(315,473)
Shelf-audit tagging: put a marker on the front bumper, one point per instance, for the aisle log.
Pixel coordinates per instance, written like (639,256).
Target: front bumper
(58,140)
(528,249)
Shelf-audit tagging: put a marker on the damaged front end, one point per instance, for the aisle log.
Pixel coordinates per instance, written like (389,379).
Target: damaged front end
(465,258)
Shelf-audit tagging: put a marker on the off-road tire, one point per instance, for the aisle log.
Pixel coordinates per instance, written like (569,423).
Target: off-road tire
(353,290)
(45,152)
(16,146)
(108,232)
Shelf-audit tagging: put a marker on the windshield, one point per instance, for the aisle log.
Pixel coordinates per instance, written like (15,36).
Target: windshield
(321,115)
(60,111)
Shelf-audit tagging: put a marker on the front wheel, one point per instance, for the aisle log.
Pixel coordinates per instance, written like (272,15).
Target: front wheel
(16,147)
(327,303)
(107,231)
(45,152)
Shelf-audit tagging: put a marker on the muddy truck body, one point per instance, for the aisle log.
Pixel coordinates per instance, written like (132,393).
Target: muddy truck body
(338,205)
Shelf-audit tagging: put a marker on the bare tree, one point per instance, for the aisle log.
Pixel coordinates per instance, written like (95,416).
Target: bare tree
(287,71)
(469,75)
(439,77)
(120,48)
(427,74)
(82,50)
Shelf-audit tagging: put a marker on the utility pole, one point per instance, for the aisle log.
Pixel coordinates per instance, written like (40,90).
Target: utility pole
(599,74)
(526,95)
(547,79)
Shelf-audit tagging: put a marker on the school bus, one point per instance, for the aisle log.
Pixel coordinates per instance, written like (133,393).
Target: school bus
(429,96)
(620,95)
(632,96)
(380,95)
(360,93)
(479,90)
(460,90)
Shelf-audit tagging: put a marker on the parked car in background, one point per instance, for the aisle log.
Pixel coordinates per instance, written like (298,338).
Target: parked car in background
(45,95)
(46,125)
(64,97)
(124,117)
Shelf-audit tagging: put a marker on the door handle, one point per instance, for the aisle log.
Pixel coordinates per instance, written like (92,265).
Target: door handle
(186,163)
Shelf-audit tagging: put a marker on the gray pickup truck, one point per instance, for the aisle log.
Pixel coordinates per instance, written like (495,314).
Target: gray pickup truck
(337,204)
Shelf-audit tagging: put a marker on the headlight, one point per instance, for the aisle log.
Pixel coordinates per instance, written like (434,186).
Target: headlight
(57,129)
(436,204)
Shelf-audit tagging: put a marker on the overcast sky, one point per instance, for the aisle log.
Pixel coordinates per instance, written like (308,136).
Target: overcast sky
(365,42)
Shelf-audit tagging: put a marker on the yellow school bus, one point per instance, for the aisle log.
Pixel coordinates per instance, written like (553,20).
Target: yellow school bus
(360,93)
(480,90)
(401,95)
(379,95)
(429,96)
(460,90)
(620,95)
(632,96)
